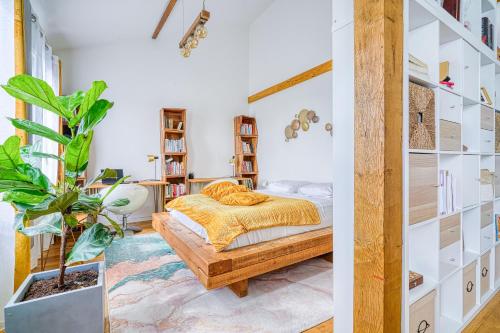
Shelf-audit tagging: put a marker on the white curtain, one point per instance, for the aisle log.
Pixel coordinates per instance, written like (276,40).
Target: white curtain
(45,66)
(7,109)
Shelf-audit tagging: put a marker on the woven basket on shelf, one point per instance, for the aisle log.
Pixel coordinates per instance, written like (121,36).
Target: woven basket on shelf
(422,118)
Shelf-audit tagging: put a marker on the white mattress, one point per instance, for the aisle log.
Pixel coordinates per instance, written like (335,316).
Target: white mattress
(325,210)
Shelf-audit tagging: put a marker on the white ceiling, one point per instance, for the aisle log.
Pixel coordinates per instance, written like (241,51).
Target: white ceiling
(77,23)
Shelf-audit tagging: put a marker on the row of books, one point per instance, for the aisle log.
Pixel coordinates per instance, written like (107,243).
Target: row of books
(247,148)
(169,123)
(174,146)
(174,168)
(247,166)
(248,183)
(175,190)
(487,32)
(497,227)
(448,197)
(246,129)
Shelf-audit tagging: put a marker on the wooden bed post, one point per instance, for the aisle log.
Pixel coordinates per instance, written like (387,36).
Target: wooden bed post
(378,165)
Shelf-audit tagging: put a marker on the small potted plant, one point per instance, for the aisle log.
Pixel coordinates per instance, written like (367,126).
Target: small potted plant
(70,298)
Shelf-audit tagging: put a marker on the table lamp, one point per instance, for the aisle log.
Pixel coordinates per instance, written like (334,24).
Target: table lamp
(153,158)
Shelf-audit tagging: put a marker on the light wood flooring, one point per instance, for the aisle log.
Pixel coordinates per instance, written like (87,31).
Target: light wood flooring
(487,321)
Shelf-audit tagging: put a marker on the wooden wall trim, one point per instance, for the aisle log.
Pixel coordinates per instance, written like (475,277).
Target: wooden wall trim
(378,166)
(22,261)
(307,75)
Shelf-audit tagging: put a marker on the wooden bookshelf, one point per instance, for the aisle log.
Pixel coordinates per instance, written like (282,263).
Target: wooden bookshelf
(174,156)
(245,148)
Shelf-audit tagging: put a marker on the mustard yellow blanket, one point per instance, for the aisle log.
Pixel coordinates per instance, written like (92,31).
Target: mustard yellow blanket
(224,223)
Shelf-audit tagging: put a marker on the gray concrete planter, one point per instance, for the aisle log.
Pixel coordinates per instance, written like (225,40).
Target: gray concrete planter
(73,311)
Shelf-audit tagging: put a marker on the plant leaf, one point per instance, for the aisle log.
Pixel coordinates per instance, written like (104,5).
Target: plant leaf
(91,96)
(71,102)
(44,225)
(71,220)
(9,184)
(28,152)
(35,175)
(94,116)
(37,92)
(106,173)
(90,244)
(20,220)
(25,197)
(115,225)
(38,129)
(77,154)
(119,202)
(59,204)
(10,155)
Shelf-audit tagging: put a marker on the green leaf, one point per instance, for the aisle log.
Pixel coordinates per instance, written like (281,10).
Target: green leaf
(91,96)
(94,116)
(8,185)
(26,197)
(10,155)
(120,202)
(71,102)
(49,224)
(37,92)
(106,173)
(90,244)
(115,185)
(77,154)
(115,225)
(71,220)
(20,221)
(59,204)
(28,152)
(35,175)
(38,129)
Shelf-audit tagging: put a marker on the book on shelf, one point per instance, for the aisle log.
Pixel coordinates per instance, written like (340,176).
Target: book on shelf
(452,7)
(174,145)
(448,195)
(169,123)
(418,67)
(175,190)
(247,166)
(248,183)
(487,34)
(485,96)
(247,148)
(174,168)
(179,126)
(246,129)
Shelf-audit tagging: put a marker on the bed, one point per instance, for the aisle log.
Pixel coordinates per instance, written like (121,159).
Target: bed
(250,254)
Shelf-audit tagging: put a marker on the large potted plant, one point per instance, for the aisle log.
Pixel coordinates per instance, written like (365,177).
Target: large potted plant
(70,298)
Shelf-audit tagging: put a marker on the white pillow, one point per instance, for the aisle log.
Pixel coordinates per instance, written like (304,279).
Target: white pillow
(285,186)
(221,180)
(317,190)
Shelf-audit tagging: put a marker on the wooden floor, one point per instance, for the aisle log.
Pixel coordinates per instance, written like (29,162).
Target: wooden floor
(487,321)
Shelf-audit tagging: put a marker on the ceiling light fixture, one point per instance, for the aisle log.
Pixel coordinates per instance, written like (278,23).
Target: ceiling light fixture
(196,31)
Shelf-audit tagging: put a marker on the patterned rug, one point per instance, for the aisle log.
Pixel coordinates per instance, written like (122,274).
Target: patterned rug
(150,289)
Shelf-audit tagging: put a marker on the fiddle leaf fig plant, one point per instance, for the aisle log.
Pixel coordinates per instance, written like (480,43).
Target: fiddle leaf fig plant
(46,208)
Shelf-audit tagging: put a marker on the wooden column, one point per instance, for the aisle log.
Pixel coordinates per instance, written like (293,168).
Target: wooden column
(22,265)
(378,166)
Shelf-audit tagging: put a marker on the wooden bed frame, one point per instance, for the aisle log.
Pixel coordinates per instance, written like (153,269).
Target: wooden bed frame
(233,268)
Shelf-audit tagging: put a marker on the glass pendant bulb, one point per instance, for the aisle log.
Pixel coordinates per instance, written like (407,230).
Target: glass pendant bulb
(203,31)
(197,31)
(185,52)
(194,42)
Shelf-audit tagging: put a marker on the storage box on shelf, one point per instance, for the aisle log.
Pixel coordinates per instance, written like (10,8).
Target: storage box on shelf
(456,224)
(174,154)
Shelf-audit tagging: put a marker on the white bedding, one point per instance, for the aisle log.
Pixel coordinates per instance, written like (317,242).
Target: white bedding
(325,210)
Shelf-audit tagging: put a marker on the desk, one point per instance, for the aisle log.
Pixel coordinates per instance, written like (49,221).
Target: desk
(157,185)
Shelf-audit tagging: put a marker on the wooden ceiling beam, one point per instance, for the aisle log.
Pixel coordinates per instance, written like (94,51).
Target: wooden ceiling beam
(164,18)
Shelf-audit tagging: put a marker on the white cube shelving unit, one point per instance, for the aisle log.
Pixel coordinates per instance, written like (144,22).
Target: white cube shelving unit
(455,249)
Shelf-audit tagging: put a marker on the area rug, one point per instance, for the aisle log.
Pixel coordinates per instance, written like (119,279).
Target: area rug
(150,289)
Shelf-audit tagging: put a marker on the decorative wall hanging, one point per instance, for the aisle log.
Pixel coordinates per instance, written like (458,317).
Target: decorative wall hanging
(329,128)
(196,31)
(302,121)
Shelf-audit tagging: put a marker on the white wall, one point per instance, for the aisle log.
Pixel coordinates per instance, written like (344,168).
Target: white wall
(144,76)
(290,37)
(7,109)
